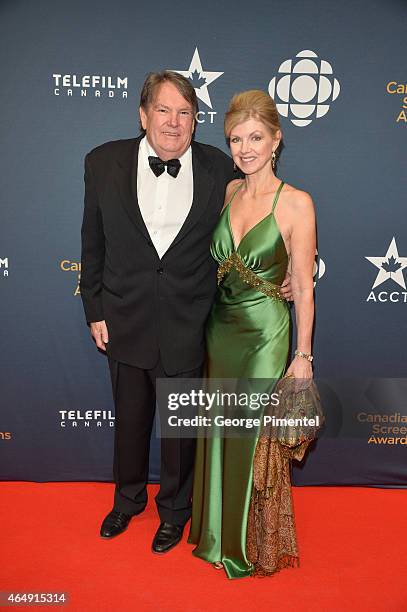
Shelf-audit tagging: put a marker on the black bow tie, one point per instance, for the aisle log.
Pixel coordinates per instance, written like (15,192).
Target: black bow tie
(157,165)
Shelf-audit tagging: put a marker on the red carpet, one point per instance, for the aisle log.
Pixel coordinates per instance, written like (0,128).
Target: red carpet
(352,545)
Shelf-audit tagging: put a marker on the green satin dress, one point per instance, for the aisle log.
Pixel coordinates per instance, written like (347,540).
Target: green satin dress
(247,337)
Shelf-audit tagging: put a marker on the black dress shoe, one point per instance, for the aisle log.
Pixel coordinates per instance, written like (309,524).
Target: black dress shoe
(115,523)
(167,537)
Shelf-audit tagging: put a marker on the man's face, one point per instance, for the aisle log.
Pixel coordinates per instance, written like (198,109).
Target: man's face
(168,122)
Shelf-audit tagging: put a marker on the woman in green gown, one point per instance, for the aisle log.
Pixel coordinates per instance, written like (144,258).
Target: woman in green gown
(265,225)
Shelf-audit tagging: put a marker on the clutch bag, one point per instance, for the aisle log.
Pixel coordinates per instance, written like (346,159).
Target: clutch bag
(299,413)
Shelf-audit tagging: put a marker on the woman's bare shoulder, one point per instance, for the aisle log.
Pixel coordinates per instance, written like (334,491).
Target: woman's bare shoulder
(230,189)
(232,186)
(299,201)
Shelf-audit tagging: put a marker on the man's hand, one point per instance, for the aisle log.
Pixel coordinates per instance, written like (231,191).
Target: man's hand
(286,288)
(98,329)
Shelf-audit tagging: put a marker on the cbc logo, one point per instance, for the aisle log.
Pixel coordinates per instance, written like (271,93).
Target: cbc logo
(304,88)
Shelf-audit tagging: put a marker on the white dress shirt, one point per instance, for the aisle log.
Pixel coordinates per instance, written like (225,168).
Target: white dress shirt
(164,201)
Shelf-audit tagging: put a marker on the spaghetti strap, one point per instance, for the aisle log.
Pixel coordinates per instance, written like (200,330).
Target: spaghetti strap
(277,196)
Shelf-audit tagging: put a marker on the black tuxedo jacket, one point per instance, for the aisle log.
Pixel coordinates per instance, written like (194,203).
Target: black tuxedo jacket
(153,307)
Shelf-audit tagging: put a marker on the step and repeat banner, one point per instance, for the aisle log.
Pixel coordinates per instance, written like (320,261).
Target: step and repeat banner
(71,78)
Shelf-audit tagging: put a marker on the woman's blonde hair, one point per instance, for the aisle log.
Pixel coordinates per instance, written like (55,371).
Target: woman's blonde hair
(252,104)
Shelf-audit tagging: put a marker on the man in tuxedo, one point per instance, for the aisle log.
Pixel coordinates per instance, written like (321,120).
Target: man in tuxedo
(147,285)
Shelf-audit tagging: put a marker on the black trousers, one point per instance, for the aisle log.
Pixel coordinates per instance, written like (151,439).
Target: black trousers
(135,402)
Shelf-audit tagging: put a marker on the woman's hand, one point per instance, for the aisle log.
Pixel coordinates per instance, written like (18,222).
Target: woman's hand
(301,369)
(286,289)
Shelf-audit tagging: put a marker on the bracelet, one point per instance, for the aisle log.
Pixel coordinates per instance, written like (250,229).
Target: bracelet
(305,355)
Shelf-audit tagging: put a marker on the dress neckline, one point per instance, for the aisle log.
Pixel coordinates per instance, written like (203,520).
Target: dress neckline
(271,213)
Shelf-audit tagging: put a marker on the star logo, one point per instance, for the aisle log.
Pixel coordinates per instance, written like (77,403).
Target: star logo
(200,78)
(390,266)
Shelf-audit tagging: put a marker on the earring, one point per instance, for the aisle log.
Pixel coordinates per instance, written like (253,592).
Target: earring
(273,159)
(234,167)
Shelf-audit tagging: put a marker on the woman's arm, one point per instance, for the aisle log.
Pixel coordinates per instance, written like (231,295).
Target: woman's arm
(302,245)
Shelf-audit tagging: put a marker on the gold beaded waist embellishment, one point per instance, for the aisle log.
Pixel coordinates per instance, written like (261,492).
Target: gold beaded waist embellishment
(248,276)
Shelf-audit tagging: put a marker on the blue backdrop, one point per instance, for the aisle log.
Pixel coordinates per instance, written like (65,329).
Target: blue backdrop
(71,77)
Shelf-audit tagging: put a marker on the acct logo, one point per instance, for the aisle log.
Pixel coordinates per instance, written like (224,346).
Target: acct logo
(66,265)
(390,267)
(201,79)
(92,86)
(304,88)
(4,266)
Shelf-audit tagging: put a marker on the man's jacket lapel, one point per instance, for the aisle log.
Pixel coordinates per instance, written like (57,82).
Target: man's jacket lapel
(203,186)
(126,175)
